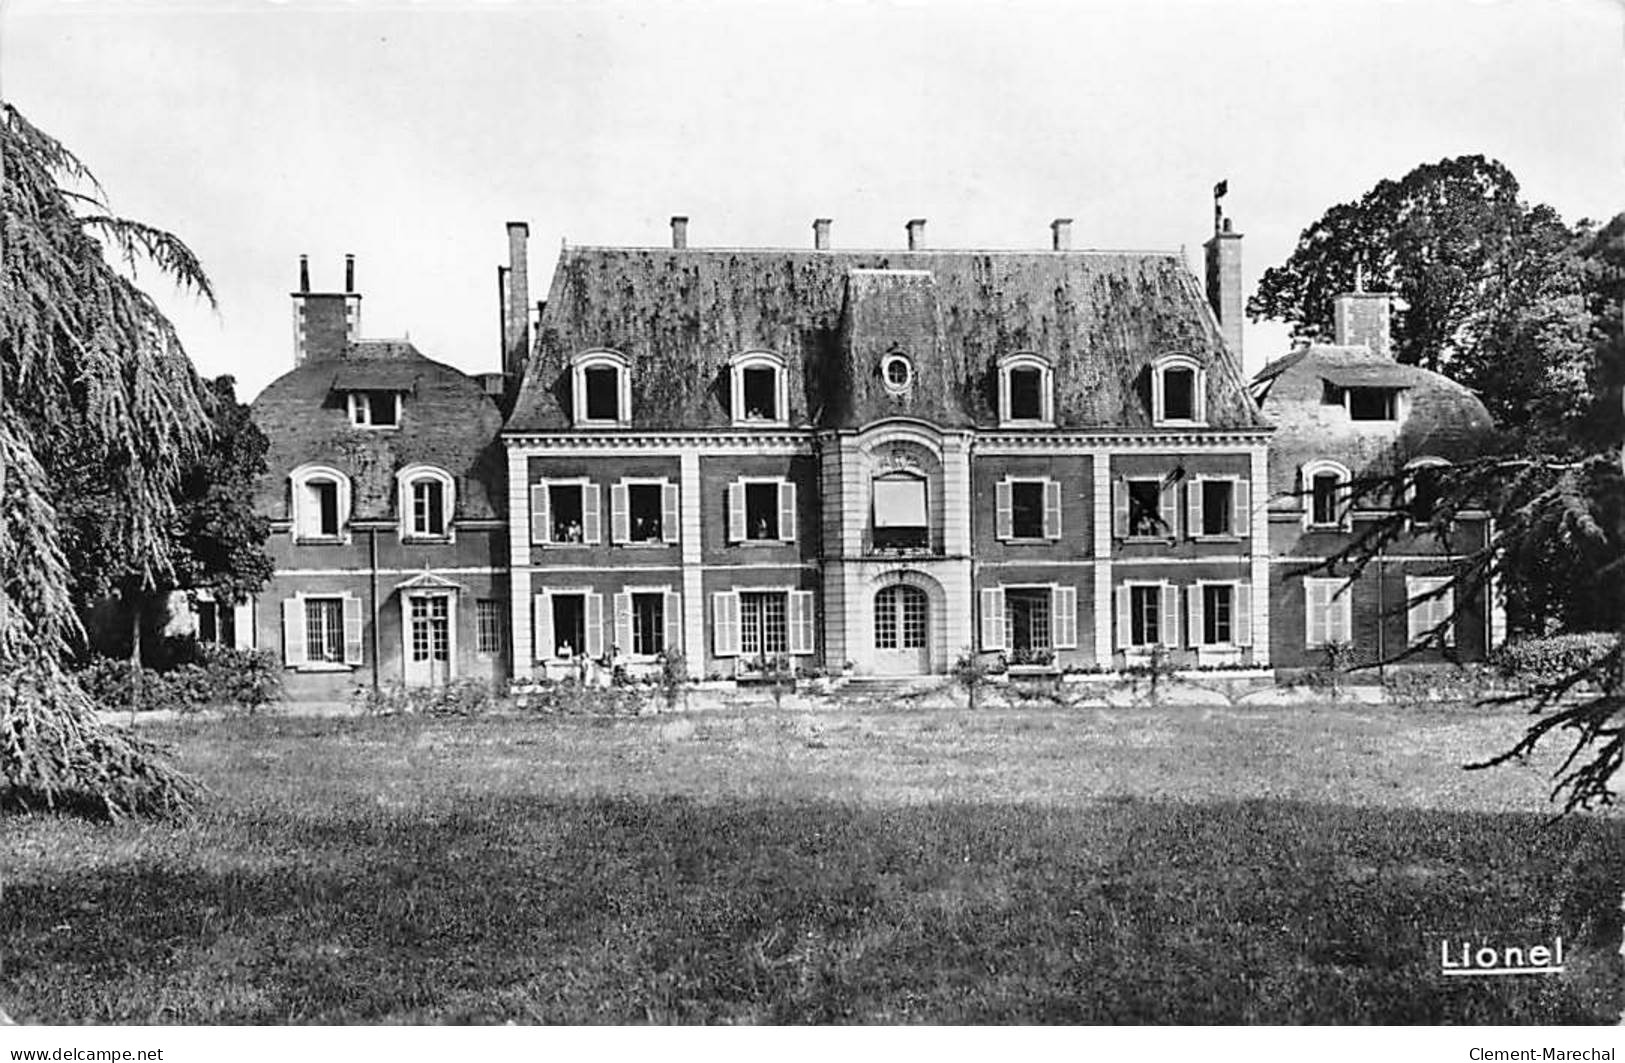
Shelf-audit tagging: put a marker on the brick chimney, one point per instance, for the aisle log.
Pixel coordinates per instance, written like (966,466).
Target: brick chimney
(821,234)
(325,323)
(515,294)
(679,231)
(916,234)
(1060,231)
(1362,318)
(1224,283)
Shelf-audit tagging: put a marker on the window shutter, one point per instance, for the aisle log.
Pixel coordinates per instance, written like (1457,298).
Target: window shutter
(1314,613)
(1125,617)
(674,622)
(725,623)
(1004,511)
(293,631)
(1193,508)
(1169,635)
(1195,604)
(736,512)
(623,623)
(620,517)
(1241,624)
(1169,505)
(1052,509)
(1344,604)
(1120,509)
(993,618)
(801,622)
(1241,517)
(1064,618)
(787,511)
(591,519)
(542,624)
(671,516)
(541,524)
(595,624)
(243,625)
(352,629)
(1416,613)
(1442,610)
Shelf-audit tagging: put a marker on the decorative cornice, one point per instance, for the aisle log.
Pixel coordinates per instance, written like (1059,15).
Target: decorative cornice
(721,439)
(727,439)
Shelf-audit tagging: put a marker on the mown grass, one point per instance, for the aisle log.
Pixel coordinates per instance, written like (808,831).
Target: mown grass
(892,867)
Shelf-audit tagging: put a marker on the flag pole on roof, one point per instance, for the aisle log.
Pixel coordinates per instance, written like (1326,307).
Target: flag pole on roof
(1219,192)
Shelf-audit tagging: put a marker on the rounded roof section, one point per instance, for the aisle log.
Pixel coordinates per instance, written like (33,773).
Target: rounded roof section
(1439,417)
(446,421)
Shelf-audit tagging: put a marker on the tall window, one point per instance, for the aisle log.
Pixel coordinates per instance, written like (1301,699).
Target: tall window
(1218,613)
(603,388)
(900,512)
(565,513)
(321,502)
(1145,615)
(763,630)
(1431,607)
(646,504)
(1326,483)
(324,629)
(900,618)
(567,509)
(761,511)
(322,496)
(1218,498)
(569,625)
(488,622)
(1145,519)
(1027,617)
(1328,610)
(1027,509)
(431,628)
(649,623)
(427,500)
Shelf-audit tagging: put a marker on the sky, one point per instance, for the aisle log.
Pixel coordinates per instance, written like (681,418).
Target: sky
(408,134)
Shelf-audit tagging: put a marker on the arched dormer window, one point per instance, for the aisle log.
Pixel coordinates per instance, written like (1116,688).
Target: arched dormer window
(601,389)
(1326,494)
(1422,489)
(757,394)
(321,504)
(1026,391)
(1178,391)
(426,499)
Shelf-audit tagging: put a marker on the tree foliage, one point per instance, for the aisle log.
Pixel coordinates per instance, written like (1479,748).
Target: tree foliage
(89,368)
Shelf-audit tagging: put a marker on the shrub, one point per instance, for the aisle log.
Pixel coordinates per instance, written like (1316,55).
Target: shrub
(1547,660)
(1424,683)
(220,676)
(462,697)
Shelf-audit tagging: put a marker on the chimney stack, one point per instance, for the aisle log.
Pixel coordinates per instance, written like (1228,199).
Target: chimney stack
(916,234)
(1061,234)
(304,273)
(1224,284)
(325,323)
(349,274)
(516,305)
(679,231)
(1362,318)
(821,234)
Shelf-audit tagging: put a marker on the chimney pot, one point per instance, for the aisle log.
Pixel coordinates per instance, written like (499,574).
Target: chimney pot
(1061,234)
(679,231)
(304,273)
(916,234)
(821,234)
(349,273)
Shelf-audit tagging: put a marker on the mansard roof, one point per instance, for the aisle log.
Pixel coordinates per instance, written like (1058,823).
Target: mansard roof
(447,421)
(681,315)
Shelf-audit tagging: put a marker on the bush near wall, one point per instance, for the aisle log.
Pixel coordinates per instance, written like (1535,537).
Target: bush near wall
(1547,660)
(217,677)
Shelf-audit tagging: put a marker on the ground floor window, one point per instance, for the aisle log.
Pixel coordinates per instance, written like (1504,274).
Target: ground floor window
(569,624)
(1328,611)
(431,628)
(1144,615)
(900,618)
(1027,618)
(324,629)
(488,615)
(1218,614)
(216,623)
(649,623)
(763,629)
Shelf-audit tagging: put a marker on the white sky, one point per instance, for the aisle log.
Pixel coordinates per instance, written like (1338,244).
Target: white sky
(410,133)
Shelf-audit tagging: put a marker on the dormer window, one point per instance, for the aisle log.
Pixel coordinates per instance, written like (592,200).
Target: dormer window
(1326,485)
(321,503)
(1424,487)
(375,409)
(1373,404)
(757,395)
(601,391)
(426,502)
(1178,391)
(1026,391)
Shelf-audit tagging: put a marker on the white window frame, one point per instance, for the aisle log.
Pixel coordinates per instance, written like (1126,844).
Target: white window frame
(1240,614)
(305,475)
(360,404)
(1123,508)
(1159,413)
(1340,597)
(1046,390)
(1240,508)
(1423,613)
(620,508)
(404,482)
(1402,405)
(738,533)
(799,640)
(295,633)
(736,389)
(1168,619)
(543,535)
(1345,504)
(601,358)
(1050,526)
(671,620)
(886,363)
(543,599)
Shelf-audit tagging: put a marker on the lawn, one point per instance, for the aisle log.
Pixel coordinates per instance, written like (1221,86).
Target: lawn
(1031,865)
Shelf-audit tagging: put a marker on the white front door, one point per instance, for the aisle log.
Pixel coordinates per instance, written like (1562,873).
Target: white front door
(902,631)
(427,638)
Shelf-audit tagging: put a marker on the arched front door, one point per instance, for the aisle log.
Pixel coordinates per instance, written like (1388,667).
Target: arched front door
(902,631)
